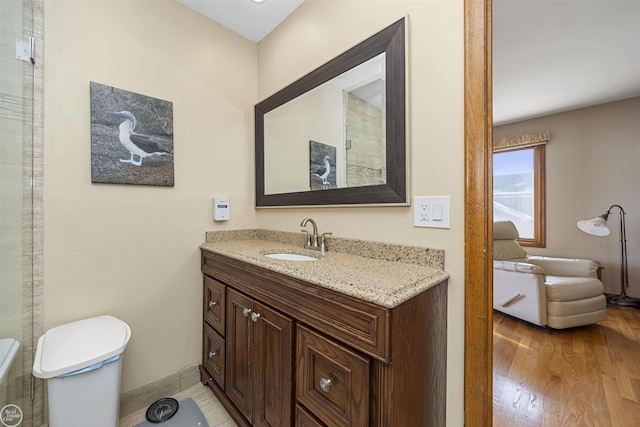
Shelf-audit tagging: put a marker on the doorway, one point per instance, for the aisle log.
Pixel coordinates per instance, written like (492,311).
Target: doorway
(478,358)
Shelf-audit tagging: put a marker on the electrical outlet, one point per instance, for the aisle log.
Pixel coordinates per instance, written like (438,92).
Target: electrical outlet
(423,212)
(432,212)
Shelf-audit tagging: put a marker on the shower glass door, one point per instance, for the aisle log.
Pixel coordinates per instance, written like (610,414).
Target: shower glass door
(16,208)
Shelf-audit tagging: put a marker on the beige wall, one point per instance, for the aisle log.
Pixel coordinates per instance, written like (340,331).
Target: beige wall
(321,29)
(592,163)
(132,251)
(290,128)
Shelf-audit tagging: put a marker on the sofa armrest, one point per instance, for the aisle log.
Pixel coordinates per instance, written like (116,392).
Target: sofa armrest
(571,267)
(518,267)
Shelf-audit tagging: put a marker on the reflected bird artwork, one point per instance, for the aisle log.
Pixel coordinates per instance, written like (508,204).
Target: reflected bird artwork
(323,172)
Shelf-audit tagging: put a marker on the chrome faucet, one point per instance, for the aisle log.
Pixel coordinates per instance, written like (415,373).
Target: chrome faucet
(314,242)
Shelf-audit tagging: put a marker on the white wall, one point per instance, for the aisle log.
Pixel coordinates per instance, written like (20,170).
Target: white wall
(132,251)
(318,31)
(592,163)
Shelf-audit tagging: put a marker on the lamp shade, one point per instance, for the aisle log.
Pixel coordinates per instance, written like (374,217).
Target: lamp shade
(596,226)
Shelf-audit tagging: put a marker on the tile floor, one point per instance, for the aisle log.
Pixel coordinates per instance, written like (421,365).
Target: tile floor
(212,409)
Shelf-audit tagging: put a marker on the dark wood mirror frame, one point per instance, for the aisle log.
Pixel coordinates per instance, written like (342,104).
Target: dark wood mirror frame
(391,41)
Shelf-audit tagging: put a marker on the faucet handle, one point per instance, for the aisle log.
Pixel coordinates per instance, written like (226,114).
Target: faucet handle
(308,237)
(323,245)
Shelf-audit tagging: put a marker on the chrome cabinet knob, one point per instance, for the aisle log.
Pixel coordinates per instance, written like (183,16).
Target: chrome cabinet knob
(212,354)
(212,304)
(255,316)
(246,312)
(325,384)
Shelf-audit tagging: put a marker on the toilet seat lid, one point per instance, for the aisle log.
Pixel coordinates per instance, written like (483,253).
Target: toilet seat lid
(79,344)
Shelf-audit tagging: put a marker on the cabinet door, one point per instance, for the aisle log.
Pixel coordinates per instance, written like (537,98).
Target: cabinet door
(239,349)
(273,368)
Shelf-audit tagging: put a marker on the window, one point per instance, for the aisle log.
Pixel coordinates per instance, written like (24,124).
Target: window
(518,191)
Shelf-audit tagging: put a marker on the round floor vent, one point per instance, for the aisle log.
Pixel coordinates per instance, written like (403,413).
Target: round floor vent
(162,410)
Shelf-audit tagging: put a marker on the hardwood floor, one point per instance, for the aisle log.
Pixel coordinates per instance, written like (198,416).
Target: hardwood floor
(587,376)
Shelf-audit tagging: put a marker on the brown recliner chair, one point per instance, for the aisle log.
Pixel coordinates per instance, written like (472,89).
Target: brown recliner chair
(555,292)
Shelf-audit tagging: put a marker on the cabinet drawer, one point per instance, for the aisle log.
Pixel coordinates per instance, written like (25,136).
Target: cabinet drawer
(305,419)
(332,380)
(214,304)
(213,354)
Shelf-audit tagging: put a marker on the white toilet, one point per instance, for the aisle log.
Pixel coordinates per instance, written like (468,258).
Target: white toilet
(82,363)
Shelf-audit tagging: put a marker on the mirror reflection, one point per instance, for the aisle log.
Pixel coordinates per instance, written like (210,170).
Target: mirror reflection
(337,136)
(333,136)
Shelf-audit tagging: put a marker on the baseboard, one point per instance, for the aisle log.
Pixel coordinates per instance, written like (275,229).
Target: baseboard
(142,397)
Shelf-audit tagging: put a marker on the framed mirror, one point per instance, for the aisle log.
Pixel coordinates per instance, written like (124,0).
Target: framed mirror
(337,136)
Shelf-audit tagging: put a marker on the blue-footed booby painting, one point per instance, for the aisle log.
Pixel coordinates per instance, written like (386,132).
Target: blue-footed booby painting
(131,138)
(137,144)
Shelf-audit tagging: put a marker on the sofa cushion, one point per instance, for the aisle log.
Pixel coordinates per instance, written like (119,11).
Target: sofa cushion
(564,288)
(592,317)
(508,250)
(505,246)
(574,308)
(504,230)
(566,266)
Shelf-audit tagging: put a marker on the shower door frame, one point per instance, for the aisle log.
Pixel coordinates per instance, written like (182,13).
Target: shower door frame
(25,106)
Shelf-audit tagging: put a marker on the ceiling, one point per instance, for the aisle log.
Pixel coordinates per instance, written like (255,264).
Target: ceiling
(249,19)
(549,56)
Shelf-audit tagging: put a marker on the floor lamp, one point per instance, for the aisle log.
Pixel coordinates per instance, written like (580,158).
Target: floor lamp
(598,227)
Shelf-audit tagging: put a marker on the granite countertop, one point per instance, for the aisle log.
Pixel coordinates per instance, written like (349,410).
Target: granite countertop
(380,273)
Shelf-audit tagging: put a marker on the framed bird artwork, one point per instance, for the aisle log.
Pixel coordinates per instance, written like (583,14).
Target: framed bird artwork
(131,138)
(322,166)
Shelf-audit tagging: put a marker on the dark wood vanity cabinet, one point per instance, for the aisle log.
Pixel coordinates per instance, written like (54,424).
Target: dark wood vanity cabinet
(289,353)
(259,355)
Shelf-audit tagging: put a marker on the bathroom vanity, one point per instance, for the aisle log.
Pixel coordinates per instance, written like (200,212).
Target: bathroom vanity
(355,337)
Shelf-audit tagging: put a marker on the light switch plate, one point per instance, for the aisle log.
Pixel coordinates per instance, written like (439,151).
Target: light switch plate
(432,211)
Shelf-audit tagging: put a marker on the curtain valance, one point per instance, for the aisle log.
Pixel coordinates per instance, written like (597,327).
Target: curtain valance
(521,141)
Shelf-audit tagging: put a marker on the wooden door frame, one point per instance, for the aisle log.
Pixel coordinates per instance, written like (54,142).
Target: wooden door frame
(478,358)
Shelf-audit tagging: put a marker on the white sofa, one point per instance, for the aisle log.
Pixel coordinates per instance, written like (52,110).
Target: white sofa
(555,292)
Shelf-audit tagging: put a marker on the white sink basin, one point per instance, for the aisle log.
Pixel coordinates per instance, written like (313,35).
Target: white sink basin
(291,257)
